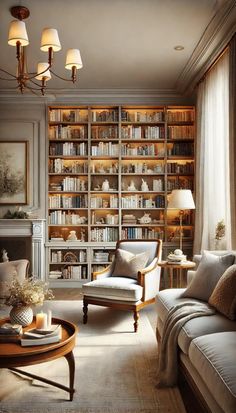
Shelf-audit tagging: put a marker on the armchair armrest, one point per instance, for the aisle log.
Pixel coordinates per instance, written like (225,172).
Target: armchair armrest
(106,272)
(149,279)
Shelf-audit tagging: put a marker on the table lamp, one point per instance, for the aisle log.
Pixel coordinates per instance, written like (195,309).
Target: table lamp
(181,199)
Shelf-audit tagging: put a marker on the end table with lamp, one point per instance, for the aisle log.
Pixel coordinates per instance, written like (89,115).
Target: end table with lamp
(182,200)
(180,269)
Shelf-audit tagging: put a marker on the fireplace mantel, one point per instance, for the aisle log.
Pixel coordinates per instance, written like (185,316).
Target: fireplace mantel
(34,228)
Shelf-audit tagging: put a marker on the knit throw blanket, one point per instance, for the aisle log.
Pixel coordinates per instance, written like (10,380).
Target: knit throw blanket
(168,351)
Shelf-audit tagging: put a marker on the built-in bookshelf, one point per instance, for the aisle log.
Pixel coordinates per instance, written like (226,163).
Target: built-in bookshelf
(110,171)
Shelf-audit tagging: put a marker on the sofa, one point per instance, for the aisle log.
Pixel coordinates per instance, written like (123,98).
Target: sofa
(206,348)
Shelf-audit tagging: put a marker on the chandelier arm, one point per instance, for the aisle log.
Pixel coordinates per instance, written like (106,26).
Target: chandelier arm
(60,77)
(5,71)
(35,83)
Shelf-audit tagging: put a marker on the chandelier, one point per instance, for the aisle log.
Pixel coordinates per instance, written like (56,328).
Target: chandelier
(50,43)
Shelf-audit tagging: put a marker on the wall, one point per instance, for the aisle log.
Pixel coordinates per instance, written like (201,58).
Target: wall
(26,122)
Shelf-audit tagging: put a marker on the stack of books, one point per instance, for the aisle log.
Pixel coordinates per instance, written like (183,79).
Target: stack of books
(129,219)
(38,337)
(10,332)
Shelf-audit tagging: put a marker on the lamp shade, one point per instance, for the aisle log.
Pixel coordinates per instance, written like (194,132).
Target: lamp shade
(73,58)
(181,199)
(43,67)
(50,39)
(17,33)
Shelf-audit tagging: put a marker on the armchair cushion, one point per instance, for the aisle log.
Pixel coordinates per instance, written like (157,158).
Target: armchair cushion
(128,264)
(223,297)
(207,275)
(114,288)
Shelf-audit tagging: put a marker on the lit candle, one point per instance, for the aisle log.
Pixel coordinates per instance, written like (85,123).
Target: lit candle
(41,321)
(49,314)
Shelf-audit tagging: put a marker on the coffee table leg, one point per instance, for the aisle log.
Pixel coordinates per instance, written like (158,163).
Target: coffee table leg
(71,362)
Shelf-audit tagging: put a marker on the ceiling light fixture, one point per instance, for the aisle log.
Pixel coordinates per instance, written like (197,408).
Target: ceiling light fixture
(49,43)
(179,48)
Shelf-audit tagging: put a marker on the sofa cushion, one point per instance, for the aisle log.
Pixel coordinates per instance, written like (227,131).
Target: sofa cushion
(197,327)
(223,297)
(128,264)
(207,275)
(213,356)
(166,299)
(114,288)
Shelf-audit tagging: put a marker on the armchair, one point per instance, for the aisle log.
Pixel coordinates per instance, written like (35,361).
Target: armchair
(130,292)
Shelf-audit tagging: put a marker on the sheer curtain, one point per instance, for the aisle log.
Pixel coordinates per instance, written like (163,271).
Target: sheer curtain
(212,157)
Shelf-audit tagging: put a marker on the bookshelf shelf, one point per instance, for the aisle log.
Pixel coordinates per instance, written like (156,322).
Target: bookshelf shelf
(144,152)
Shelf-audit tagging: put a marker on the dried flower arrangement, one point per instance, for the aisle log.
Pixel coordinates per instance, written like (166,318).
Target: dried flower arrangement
(30,292)
(220,230)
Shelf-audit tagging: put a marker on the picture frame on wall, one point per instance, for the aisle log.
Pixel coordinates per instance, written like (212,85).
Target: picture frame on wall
(13,172)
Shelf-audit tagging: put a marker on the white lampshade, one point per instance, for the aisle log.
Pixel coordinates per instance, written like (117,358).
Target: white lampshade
(50,39)
(17,33)
(181,199)
(73,58)
(46,74)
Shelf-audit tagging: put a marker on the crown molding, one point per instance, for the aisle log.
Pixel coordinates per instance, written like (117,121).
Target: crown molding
(213,41)
(98,96)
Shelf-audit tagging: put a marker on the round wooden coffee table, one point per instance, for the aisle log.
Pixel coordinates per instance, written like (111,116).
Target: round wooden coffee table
(12,355)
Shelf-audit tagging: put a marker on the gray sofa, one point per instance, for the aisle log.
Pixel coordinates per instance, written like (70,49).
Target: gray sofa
(206,353)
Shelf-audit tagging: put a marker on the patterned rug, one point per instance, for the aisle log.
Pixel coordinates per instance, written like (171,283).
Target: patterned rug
(115,369)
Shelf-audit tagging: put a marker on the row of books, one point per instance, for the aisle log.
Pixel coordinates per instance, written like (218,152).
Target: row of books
(142,233)
(139,201)
(179,168)
(180,132)
(107,234)
(142,167)
(63,218)
(141,150)
(68,132)
(142,132)
(30,337)
(104,132)
(67,166)
(108,202)
(105,149)
(181,149)
(68,115)
(180,116)
(141,116)
(58,256)
(179,183)
(66,201)
(68,148)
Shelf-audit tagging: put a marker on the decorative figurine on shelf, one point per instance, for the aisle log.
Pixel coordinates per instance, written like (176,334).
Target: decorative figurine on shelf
(144,186)
(72,236)
(82,235)
(105,185)
(4,256)
(145,219)
(132,187)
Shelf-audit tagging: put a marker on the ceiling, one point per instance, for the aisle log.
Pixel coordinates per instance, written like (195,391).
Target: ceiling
(124,44)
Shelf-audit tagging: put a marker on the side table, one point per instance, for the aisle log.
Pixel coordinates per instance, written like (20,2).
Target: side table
(179,268)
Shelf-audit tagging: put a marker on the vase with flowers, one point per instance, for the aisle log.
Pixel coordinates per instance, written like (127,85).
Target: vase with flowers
(22,296)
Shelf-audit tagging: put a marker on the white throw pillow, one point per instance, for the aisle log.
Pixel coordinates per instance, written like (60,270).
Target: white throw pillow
(209,271)
(128,264)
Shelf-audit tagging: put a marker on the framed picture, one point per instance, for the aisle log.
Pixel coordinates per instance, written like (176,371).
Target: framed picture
(13,172)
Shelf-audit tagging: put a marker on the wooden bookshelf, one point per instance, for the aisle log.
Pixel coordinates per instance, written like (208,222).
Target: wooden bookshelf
(110,171)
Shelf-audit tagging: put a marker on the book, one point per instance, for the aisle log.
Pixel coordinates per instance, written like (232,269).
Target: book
(38,337)
(10,329)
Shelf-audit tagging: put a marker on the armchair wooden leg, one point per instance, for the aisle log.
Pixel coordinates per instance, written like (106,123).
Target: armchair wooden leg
(85,310)
(136,318)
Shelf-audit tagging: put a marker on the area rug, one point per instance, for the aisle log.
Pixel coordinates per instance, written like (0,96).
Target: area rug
(115,369)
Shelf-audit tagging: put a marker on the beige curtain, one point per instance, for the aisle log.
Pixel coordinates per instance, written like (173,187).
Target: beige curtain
(212,157)
(232,135)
